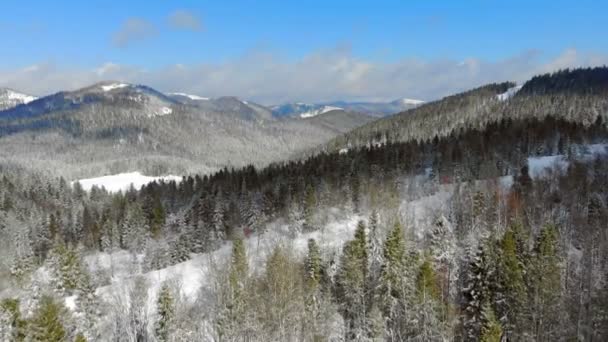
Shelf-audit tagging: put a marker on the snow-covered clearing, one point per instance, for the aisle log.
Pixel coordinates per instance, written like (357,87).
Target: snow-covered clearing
(539,167)
(509,93)
(123,181)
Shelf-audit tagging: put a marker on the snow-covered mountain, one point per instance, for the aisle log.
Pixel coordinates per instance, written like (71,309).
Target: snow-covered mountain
(302,110)
(10,98)
(112,127)
(377,109)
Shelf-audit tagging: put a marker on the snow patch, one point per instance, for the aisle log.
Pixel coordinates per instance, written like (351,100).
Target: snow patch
(122,181)
(166,111)
(191,97)
(113,86)
(22,98)
(319,111)
(509,93)
(539,167)
(406,101)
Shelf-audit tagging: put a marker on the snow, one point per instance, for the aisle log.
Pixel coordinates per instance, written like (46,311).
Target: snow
(343,151)
(113,86)
(166,111)
(411,101)
(509,93)
(122,181)
(319,111)
(23,98)
(191,97)
(70,302)
(539,167)
(196,275)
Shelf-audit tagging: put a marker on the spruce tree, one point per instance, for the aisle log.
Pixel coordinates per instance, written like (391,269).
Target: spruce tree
(46,323)
(545,285)
(395,286)
(512,289)
(313,273)
(352,283)
(15,324)
(165,309)
(80,338)
(480,287)
(491,330)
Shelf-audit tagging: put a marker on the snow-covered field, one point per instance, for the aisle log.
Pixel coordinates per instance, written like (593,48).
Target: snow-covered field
(123,181)
(539,167)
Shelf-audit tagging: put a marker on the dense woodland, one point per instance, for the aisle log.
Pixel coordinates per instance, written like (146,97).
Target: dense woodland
(512,257)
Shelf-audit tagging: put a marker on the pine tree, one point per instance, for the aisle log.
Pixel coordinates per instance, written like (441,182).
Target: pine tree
(313,273)
(46,324)
(281,293)
(67,268)
(233,304)
(165,309)
(429,307)
(545,285)
(16,326)
(80,338)
(352,284)
(395,288)
(491,330)
(375,246)
(480,287)
(512,290)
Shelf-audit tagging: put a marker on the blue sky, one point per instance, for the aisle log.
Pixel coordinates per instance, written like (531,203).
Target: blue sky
(70,38)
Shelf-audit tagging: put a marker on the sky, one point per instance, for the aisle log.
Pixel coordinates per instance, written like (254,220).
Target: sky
(280,51)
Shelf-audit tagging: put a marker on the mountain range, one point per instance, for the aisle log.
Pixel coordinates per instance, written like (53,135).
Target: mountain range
(111,127)
(376,109)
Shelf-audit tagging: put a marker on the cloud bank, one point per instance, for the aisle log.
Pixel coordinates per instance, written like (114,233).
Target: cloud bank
(322,76)
(133,30)
(184,20)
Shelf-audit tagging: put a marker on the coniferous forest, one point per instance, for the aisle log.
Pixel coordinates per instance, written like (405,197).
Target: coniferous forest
(467,219)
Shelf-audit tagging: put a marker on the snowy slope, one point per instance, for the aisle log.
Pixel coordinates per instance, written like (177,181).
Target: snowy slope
(509,93)
(122,181)
(10,98)
(315,112)
(191,97)
(196,275)
(112,86)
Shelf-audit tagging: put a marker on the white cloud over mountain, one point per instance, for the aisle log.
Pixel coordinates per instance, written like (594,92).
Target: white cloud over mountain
(320,76)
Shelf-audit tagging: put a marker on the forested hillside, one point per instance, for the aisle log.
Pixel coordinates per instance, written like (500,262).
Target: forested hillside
(484,221)
(112,127)
(579,96)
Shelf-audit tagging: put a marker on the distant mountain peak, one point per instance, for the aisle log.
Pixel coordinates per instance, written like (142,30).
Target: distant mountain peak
(10,98)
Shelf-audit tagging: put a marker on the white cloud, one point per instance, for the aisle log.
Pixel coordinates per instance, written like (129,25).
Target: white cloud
(184,20)
(321,76)
(132,30)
